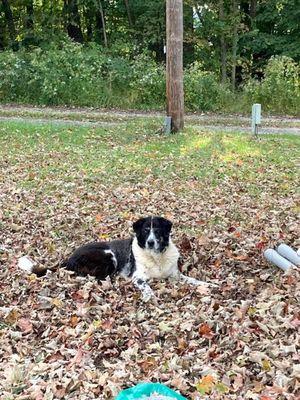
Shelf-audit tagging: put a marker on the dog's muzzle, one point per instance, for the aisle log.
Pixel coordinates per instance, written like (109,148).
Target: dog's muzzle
(150,244)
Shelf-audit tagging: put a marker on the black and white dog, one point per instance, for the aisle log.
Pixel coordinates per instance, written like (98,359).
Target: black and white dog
(150,254)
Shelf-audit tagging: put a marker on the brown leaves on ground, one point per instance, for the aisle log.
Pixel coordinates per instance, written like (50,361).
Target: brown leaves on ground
(206,331)
(66,337)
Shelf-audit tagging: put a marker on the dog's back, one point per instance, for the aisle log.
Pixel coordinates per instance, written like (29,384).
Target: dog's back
(100,259)
(94,259)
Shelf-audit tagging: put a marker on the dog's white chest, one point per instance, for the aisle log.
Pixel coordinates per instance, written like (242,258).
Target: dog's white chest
(155,265)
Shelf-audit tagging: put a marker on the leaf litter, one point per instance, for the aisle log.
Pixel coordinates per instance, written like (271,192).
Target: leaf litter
(67,337)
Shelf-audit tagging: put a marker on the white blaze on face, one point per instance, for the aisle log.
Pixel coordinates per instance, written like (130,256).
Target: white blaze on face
(152,242)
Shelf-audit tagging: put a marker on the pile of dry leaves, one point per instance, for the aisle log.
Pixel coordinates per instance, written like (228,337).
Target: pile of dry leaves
(65,337)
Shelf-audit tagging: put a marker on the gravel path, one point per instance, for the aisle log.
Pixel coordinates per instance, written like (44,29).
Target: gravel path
(99,117)
(56,121)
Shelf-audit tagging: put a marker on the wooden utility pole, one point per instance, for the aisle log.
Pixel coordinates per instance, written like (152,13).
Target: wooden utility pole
(174,72)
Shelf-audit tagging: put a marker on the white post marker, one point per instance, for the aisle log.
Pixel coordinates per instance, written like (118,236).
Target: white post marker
(256,118)
(167,125)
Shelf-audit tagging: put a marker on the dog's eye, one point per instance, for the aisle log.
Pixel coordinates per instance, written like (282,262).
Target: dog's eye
(147,229)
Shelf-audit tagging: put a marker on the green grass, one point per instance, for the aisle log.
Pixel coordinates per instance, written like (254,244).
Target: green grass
(47,154)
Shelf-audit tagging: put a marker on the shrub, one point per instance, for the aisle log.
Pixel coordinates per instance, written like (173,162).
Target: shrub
(74,74)
(14,76)
(203,91)
(148,84)
(82,76)
(279,91)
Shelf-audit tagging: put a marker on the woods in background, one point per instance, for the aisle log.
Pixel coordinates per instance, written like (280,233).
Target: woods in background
(232,39)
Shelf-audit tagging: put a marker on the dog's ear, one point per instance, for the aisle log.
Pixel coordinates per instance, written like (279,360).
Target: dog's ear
(167,225)
(138,224)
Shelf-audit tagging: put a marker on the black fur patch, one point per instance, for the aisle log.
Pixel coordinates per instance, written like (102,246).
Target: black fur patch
(92,259)
(161,229)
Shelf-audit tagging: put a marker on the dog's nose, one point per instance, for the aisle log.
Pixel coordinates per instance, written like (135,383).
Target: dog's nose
(150,243)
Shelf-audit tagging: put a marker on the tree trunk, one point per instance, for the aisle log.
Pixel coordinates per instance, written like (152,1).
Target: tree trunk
(29,19)
(103,24)
(73,20)
(253,7)
(129,14)
(10,21)
(89,13)
(2,34)
(223,44)
(234,42)
(174,71)
(100,25)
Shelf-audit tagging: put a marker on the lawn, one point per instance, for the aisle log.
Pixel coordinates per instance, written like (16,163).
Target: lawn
(229,197)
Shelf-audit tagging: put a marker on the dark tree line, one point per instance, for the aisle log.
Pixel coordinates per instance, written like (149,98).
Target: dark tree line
(232,37)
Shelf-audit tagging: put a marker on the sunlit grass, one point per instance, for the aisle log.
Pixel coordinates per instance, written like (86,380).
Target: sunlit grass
(47,154)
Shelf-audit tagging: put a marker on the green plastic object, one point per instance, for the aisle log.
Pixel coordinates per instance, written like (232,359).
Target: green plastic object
(146,389)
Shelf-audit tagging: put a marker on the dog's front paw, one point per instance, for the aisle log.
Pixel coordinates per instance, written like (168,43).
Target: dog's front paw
(196,282)
(148,295)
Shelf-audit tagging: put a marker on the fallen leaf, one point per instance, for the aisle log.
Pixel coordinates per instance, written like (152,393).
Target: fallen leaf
(57,302)
(221,388)
(206,384)
(12,316)
(266,365)
(98,217)
(25,325)
(206,331)
(73,321)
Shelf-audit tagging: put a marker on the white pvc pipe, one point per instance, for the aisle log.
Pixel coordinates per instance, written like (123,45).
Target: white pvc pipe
(275,258)
(288,253)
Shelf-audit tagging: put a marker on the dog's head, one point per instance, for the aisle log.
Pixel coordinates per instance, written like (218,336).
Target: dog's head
(153,233)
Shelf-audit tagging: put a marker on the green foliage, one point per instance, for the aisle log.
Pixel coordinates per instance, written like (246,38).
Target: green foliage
(232,39)
(78,75)
(120,61)
(75,74)
(203,91)
(278,32)
(89,76)
(148,84)
(279,91)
